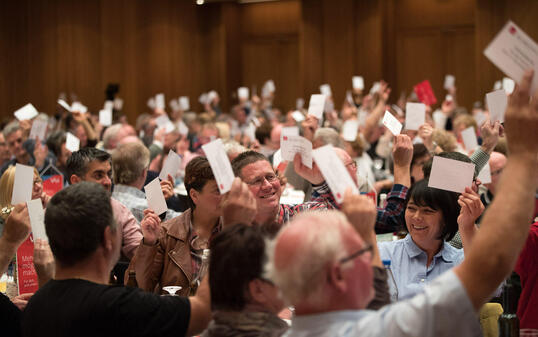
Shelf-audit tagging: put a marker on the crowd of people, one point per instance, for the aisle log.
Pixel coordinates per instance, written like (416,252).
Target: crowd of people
(277,255)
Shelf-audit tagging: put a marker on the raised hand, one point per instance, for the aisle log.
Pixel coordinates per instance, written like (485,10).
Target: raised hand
(43,261)
(238,205)
(402,151)
(167,186)
(361,213)
(309,126)
(471,208)
(151,227)
(17,226)
(313,174)
(490,135)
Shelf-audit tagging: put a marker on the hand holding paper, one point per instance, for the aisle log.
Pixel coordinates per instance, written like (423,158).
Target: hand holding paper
(469,139)
(37,219)
(392,123)
(239,205)
(317,106)
(415,115)
(155,197)
(290,145)
(220,164)
(451,175)
(171,165)
(313,175)
(23,184)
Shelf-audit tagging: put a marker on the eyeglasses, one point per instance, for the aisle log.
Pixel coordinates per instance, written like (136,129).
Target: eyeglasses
(352,164)
(367,248)
(270,177)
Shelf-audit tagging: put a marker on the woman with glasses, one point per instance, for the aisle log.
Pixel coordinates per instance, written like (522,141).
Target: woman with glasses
(171,254)
(432,218)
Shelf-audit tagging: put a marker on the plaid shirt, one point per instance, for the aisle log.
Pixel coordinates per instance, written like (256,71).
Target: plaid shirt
(391,218)
(322,199)
(135,200)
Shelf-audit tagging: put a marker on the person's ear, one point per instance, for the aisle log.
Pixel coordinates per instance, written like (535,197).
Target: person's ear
(335,277)
(74,179)
(108,239)
(255,291)
(194,194)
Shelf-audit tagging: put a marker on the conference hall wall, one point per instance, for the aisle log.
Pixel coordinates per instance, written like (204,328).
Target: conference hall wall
(179,48)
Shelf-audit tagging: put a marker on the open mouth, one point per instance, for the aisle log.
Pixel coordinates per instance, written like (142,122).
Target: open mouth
(267,196)
(419,228)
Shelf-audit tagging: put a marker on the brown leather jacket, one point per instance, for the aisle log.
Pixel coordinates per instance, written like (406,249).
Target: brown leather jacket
(168,262)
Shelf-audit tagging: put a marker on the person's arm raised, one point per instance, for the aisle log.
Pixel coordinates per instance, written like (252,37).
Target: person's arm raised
(402,153)
(506,222)
(16,230)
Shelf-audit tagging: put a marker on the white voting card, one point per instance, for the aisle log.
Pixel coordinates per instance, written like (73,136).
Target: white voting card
(508,85)
(480,118)
(79,107)
(72,143)
(159,101)
(171,165)
(220,164)
(439,119)
(182,127)
(242,93)
(415,115)
(64,104)
(37,219)
(299,104)
(23,184)
(451,175)
(485,174)
(325,89)
(162,120)
(26,112)
(316,106)
(109,105)
(469,139)
(297,116)
(350,129)
(277,158)
(334,172)
(392,123)
(497,102)
(290,145)
(184,103)
(450,80)
(105,117)
(358,82)
(513,52)
(289,131)
(155,197)
(39,129)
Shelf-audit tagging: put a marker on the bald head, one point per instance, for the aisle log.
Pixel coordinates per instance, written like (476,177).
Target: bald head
(348,162)
(497,162)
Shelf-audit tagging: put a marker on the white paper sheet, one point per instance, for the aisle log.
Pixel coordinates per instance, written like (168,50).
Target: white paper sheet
(450,80)
(162,120)
(358,82)
(105,117)
(469,139)
(243,93)
(277,158)
(184,103)
(451,175)
(415,115)
(497,103)
(26,112)
(350,128)
(439,119)
(334,172)
(297,116)
(155,197)
(170,166)
(159,101)
(325,89)
(316,106)
(39,129)
(513,52)
(37,219)
(183,128)
(299,104)
(72,143)
(485,174)
(23,184)
(79,107)
(508,85)
(109,105)
(392,123)
(220,164)
(290,145)
(289,131)
(64,105)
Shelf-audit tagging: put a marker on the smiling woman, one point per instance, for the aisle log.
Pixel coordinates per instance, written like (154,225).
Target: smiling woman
(431,218)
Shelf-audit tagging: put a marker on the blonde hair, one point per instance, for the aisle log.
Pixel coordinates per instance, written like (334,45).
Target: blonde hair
(445,140)
(467,120)
(6,185)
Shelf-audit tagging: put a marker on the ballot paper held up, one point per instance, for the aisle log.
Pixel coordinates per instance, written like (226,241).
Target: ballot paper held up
(220,164)
(299,104)
(439,119)
(392,123)
(450,80)
(334,172)
(480,118)
(508,85)
(325,89)
(289,131)
(109,105)
(350,129)
(497,102)
(297,116)
(513,52)
(162,120)
(415,115)
(155,197)
(485,174)
(105,117)
(26,112)
(64,105)
(39,129)
(316,106)
(451,175)
(72,143)
(204,99)
(425,93)
(469,139)
(183,128)
(242,93)
(290,145)
(79,107)
(184,103)
(159,101)
(358,82)
(37,219)
(171,165)
(23,184)
(498,85)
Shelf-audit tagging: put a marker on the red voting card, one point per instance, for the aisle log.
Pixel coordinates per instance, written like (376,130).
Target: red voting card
(425,93)
(53,184)
(26,274)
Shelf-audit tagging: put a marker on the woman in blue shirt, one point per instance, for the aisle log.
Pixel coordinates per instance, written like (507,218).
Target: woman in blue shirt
(432,218)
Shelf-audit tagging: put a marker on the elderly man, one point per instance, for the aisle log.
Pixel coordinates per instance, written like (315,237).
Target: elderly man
(322,265)
(23,151)
(130,166)
(90,164)
(86,243)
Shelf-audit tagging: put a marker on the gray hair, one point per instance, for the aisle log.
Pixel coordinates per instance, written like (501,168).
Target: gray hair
(302,278)
(129,162)
(329,136)
(11,128)
(110,135)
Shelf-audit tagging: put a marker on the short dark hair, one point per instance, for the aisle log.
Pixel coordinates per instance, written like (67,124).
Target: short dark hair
(75,220)
(197,173)
(55,141)
(263,132)
(440,200)
(78,162)
(427,168)
(246,158)
(237,257)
